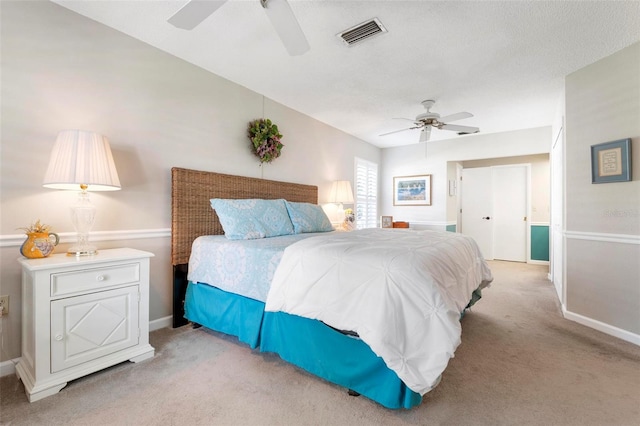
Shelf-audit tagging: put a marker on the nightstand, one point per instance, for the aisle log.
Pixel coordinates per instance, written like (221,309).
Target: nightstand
(80,315)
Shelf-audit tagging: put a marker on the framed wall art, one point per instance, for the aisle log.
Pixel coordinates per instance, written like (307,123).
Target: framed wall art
(611,161)
(412,190)
(386,221)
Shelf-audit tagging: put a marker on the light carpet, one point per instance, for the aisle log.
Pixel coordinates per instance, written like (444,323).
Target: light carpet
(520,363)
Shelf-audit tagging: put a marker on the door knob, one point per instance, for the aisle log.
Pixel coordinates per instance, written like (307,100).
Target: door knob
(486,217)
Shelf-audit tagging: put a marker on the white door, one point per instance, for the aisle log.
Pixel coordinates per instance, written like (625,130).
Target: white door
(477,208)
(510,212)
(494,210)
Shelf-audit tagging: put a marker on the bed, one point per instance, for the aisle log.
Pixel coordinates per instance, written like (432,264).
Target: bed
(325,342)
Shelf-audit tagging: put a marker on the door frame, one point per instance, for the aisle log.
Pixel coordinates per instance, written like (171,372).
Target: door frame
(557,216)
(459,169)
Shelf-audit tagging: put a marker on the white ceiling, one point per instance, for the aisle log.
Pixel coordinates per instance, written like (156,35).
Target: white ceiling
(503,61)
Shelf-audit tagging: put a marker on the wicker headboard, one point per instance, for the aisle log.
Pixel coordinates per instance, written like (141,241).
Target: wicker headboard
(191,212)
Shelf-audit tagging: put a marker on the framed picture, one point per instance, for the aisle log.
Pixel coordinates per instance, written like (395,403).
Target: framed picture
(412,190)
(611,161)
(386,221)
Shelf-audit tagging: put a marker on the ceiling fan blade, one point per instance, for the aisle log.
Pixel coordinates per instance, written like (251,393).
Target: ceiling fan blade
(402,118)
(398,131)
(454,117)
(193,13)
(458,128)
(286,25)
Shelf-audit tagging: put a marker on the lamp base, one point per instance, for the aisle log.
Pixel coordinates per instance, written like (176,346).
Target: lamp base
(78,251)
(83,214)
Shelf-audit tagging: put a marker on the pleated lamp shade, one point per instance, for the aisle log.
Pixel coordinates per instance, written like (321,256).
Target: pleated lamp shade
(341,192)
(81,158)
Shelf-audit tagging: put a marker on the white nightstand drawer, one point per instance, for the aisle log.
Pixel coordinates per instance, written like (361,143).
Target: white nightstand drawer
(94,279)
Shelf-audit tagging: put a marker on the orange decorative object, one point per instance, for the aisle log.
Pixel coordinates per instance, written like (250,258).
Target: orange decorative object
(400,224)
(39,244)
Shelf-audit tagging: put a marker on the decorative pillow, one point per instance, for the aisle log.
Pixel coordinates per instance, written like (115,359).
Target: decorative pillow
(307,217)
(252,218)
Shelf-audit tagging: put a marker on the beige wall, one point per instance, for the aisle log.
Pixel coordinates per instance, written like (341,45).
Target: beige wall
(61,70)
(603,220)
(438,159)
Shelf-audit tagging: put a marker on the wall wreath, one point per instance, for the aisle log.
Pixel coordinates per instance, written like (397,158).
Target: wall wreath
(265,140)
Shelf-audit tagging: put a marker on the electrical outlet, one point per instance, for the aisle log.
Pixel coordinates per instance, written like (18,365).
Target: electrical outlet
(4,304)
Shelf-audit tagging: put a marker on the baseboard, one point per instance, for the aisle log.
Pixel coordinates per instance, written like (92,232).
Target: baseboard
(160,323)
(8,367)
(537,262)
(605,328)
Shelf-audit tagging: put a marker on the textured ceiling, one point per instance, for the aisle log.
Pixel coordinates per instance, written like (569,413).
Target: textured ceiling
(503,61)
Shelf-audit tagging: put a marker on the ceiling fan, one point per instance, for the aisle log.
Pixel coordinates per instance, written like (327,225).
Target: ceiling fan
(428,120)
(278,11)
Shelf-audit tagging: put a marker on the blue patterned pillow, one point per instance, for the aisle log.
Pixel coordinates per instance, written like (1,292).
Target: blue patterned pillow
(252,218)
(307,217)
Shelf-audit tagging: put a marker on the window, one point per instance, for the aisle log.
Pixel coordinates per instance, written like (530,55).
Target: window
(366,194)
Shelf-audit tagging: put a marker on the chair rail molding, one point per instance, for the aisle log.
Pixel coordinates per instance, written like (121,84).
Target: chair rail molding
(597,236)
(70,237)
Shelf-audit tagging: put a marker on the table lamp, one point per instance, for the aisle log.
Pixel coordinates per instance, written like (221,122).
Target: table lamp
(341,192)
(82,160)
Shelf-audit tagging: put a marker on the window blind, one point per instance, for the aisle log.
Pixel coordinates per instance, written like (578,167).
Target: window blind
(366,182)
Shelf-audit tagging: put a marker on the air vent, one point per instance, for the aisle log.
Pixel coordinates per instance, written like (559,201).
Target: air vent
(362,31)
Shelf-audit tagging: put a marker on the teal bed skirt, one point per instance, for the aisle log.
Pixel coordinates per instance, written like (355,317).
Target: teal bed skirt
(309,344)
(225,312)
(341,359)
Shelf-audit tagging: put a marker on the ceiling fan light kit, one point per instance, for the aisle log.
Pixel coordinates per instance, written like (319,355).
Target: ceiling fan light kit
(427,120)
(279,13)
(425,133)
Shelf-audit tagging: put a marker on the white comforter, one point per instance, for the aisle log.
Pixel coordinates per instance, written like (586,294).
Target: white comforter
(402,291)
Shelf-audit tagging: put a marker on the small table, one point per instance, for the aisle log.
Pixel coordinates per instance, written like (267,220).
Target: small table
(400,224)
(81,315)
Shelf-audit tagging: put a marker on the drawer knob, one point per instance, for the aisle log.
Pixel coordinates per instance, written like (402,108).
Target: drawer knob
(100,278)
(58,337)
